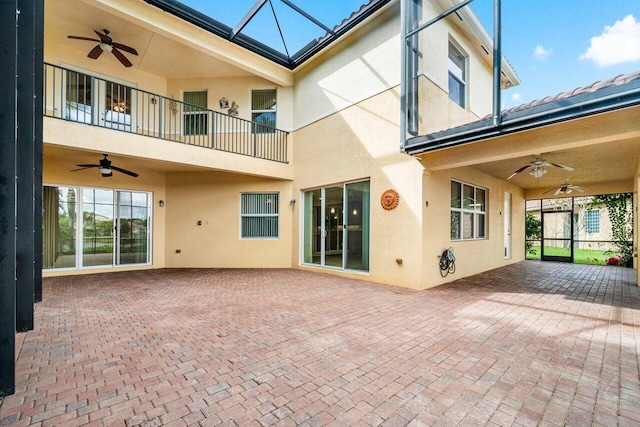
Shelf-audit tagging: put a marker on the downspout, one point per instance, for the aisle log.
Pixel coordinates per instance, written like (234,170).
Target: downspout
(497,62)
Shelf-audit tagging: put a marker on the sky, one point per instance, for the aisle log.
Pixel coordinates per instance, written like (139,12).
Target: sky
(553,45)
(560,45)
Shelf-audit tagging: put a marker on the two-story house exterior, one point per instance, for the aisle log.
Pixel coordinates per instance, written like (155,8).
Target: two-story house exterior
(309,197)
(171,140)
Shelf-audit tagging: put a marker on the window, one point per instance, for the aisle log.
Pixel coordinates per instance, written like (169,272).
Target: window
(457,71)
(263,110)
(468,211)
(258,215)
(195,113)
(592,221)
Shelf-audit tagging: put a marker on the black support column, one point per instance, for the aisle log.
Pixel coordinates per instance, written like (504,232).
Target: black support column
(8,117)
(21,38)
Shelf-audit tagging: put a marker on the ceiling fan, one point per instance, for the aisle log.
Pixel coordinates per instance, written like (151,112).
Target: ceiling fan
(566,188)
(537,167)
(106,44)
(106,169)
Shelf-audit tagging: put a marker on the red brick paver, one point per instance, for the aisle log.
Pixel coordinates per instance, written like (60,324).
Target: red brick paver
(530,344)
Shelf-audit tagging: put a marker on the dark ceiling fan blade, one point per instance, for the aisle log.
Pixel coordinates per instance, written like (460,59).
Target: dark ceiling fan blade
(550,190)
(84,38)
(126,48)
(133,174)
(103,37)
(518,171)
(95,52)
(83,167)
(558,165)
(121,57)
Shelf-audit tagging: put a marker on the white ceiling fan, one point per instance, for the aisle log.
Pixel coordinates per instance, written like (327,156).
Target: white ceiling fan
(566,188)
(538,167)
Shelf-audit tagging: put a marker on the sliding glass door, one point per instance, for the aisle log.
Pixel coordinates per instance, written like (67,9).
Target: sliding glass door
(132,228)
(336,226)
(103,228)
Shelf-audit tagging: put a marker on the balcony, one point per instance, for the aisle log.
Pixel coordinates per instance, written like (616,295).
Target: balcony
(73,96)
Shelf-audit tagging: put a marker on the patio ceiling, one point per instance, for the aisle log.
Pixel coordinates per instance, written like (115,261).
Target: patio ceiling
(603,149)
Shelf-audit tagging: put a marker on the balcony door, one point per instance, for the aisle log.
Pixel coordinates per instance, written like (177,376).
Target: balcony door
(114,102)
(336,226)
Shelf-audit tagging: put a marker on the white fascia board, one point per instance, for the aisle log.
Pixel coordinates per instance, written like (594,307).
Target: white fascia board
(477,30)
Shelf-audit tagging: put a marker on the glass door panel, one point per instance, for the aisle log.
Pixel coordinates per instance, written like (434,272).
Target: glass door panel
(117,106)
(313,242)
(98,226)
(333,226)
(133,228)
(58,227)
(357,226)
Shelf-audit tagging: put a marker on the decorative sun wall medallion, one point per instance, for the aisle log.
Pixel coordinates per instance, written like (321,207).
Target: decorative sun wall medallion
(389,199)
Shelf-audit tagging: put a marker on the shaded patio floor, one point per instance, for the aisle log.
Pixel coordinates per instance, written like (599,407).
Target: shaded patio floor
(529,344)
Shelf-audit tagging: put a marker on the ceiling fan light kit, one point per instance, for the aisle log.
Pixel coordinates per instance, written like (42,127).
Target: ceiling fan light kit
(538,167)
(537,172)
(106,44)
(106,168)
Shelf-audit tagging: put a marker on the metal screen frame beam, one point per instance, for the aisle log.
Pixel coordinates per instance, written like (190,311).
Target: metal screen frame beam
(247,17)
(28,113)
(408,114)
(8,89)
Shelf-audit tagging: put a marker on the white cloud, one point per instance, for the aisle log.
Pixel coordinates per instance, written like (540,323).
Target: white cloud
(617,44)
(540,52)
(517,97)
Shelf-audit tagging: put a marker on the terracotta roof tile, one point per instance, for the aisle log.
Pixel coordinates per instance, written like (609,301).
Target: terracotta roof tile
(593,87)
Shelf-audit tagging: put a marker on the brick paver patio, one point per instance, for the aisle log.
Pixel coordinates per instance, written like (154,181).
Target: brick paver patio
(530,344)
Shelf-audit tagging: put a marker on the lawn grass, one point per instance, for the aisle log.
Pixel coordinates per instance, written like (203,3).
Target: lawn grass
(580,256)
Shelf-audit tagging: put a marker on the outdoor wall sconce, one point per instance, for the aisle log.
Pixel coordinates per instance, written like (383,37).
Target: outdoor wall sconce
(292,202)
(161,203)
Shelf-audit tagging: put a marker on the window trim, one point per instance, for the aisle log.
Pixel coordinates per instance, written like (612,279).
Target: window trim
(475,212)
(276,195)
(252,111)
(465,65)
(203,113)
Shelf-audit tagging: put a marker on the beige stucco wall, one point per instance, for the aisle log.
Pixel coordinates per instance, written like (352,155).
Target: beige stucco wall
(360,142)
(347,119)
(433,64)
(238,90)
(214,199)
(472,256)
